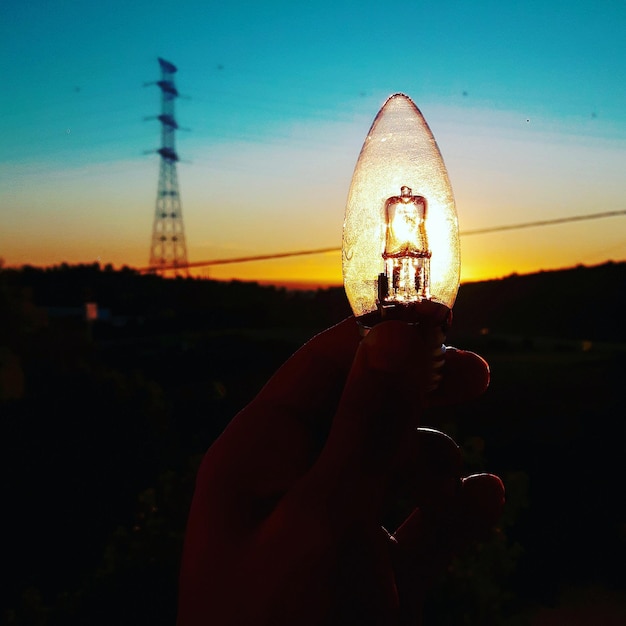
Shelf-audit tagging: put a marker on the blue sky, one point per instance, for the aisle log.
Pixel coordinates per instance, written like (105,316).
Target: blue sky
(527,101)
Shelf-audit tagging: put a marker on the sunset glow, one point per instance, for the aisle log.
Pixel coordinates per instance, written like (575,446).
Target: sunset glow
(278,120)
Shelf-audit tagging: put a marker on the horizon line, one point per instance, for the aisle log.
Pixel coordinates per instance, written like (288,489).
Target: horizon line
(477,231)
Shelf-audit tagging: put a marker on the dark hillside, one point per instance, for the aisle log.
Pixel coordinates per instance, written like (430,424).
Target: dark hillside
(102,424)
(579,303)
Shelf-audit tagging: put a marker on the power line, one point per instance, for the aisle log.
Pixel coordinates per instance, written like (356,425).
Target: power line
(466,233)
(244,259)
(560,220)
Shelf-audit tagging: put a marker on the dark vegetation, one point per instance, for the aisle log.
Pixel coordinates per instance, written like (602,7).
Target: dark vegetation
(103,423)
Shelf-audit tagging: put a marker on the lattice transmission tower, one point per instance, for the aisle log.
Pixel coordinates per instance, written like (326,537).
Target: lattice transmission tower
(168,250)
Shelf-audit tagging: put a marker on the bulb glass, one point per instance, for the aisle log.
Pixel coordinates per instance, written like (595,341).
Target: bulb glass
(400,237)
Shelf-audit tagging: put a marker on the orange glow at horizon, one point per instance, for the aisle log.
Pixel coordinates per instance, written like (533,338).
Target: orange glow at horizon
(486,257)
(322,270)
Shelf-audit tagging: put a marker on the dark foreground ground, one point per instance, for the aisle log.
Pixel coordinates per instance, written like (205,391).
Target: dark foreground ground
(102,427)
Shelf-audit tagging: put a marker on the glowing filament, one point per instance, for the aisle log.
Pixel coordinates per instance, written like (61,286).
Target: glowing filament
(407,257)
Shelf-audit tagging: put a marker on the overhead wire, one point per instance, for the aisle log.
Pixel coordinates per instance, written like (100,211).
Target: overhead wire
(478,231)
(559,220)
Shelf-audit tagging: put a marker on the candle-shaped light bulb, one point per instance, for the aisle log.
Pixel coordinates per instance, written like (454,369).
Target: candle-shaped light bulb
(400,241)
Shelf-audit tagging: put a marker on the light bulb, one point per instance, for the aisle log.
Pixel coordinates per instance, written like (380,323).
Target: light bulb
(401,253)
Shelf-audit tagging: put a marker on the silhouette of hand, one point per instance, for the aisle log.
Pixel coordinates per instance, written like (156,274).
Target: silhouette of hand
(285,526)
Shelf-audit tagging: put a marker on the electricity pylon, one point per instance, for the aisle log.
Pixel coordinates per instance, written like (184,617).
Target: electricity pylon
(168,250)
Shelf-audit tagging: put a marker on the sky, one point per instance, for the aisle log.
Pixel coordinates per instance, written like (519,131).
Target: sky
(527,102)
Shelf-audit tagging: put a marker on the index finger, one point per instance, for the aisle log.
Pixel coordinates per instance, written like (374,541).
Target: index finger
(276,438)
(314,374)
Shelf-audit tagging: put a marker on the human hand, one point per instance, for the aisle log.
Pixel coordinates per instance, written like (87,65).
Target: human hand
(285,524)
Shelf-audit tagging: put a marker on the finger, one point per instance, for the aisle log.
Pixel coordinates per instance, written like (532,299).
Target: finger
(427,473)
(430,459)
(465,376)
(310,383)
(392,370)
(481,501)
(437,533)
(425,544)
(314,376)
(275,439)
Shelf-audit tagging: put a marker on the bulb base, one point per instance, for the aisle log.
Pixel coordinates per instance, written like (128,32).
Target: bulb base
(423,312)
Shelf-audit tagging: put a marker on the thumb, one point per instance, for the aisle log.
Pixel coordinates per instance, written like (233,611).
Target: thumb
(394,366)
